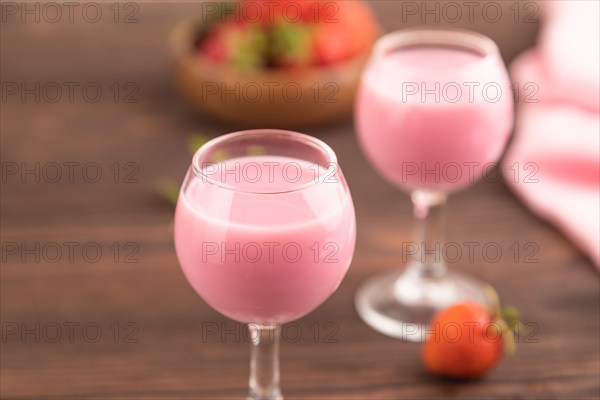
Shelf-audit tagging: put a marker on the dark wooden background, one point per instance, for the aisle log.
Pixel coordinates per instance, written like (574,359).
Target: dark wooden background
(166,355)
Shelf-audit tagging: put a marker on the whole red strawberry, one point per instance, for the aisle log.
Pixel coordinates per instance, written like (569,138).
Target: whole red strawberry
(348,29)
(290,11)
(256,34)
(290,45)
(239,44)
(466,340)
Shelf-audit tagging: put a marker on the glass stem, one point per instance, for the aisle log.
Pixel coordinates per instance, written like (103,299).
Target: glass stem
(264,361)
(429,219)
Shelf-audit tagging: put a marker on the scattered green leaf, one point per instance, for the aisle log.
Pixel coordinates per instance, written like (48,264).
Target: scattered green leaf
(510,315)
(196,141)
(168,190)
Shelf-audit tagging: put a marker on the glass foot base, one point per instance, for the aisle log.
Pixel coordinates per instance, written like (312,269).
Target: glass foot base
(401,303)
(274,396)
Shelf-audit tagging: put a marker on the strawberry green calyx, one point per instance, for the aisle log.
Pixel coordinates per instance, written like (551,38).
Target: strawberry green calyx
(509,347)
(509,319)
(506,318)
(290,44)
(510,315)
(247,45)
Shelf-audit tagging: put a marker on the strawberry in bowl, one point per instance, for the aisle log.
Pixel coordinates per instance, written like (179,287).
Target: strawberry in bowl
(280,63)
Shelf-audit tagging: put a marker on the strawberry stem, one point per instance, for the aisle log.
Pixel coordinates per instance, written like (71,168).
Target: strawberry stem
(510,315)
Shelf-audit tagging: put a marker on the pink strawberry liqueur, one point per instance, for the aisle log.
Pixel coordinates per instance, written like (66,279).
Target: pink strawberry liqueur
(258,257)
(432,117)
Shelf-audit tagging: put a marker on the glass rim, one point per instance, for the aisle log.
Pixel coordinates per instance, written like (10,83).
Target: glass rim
(318,144)
(462,38)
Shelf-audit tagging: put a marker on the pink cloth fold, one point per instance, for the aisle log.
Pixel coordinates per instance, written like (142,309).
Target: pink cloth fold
(556,149)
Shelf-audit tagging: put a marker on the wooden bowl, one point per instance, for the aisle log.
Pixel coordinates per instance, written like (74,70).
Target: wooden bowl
(275,98)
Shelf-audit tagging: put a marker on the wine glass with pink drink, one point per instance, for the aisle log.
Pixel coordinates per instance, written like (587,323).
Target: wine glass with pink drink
(264,232)
(434,111)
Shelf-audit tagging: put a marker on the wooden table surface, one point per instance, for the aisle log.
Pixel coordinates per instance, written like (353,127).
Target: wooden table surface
(125,323)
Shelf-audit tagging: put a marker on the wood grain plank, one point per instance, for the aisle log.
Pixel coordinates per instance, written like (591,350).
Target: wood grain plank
(177,354)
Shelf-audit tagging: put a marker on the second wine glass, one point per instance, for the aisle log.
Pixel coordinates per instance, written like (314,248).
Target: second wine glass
(264,232)
(433,113)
